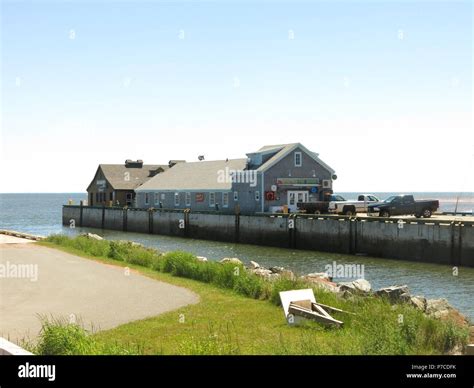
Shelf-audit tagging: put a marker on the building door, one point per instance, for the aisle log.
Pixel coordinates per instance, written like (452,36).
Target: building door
(129,199)
(294,197)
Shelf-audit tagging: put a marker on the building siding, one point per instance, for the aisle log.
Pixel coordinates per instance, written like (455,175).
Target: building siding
(247,203)
(285,168)
(109,194)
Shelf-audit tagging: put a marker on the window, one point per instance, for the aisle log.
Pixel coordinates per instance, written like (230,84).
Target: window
(147,199)
(176,199)
(188,199)
(97,197)
(157,198)
(212,199)
(163,196)
(292,198)
(257,195)
(236,196)
(298,159)
(111,196)
(225,199)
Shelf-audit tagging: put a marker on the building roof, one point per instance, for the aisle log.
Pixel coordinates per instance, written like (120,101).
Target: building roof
(116,175)
(284,149)
(273,148)
(202,176)
(195,176)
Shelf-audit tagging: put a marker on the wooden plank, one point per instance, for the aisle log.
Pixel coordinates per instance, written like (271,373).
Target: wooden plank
(334,309)
(313,315)
(320,310)
(303,303)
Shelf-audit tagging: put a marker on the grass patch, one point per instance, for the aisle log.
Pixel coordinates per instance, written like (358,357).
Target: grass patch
(237,313)
(62,338)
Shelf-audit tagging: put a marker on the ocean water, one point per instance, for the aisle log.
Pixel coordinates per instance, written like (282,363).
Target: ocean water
(42,214)
(39,214)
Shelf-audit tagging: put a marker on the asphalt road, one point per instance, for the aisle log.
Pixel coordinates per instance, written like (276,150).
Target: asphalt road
(101,296)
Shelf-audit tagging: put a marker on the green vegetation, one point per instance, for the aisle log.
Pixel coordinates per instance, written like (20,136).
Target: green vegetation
(60,337)
(237,314)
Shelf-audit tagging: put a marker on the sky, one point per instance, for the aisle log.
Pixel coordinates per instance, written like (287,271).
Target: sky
(381,90)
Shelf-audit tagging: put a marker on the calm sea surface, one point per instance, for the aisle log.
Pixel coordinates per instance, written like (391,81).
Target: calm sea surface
(41,214)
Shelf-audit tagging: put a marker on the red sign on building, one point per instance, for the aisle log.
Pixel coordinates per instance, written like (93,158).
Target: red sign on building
(199,197)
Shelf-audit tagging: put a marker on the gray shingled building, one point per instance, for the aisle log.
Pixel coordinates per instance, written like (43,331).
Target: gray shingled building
(267,180)
(115,183)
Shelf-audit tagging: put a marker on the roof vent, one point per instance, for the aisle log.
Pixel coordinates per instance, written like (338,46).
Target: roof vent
(172,162)
(134,163)
(158,170)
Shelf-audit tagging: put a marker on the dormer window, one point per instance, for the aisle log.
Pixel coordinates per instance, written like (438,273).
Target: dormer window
(298,159)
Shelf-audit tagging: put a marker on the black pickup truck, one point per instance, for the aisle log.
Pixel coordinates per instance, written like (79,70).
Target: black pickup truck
(318,207)
(398,205)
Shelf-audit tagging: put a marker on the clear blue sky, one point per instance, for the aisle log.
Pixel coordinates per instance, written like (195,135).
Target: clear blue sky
(382,91)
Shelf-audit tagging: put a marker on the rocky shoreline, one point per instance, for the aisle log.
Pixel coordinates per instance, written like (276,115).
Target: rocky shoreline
(434,308)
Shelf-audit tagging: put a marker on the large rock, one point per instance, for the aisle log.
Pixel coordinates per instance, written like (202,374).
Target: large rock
(362,285)
(92,236)
(254,264)
(327,286)
(320,282)
(262,271)
(283,272)
(131,243)
(318,275)
(359,286)
(441,309)
(437,307)
(395,293)
(233,260)
(277,269)
(419,302)
(265,273)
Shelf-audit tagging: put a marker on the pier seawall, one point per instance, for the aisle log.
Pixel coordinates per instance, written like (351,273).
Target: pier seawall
(423,240)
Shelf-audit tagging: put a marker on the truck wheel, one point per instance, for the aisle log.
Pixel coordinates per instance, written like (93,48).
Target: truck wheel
(317,212)
(426,213)
(417,215)
(349,211)
(384,213)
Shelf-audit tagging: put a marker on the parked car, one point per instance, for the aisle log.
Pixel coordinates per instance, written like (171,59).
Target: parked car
(318,207)
(398,205)
(350,208)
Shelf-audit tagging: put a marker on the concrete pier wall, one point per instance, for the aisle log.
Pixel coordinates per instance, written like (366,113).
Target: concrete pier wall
(329,235)
(264,230)
(138,221)
(204,225)
(432,241)
(113,219)
(168,223)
